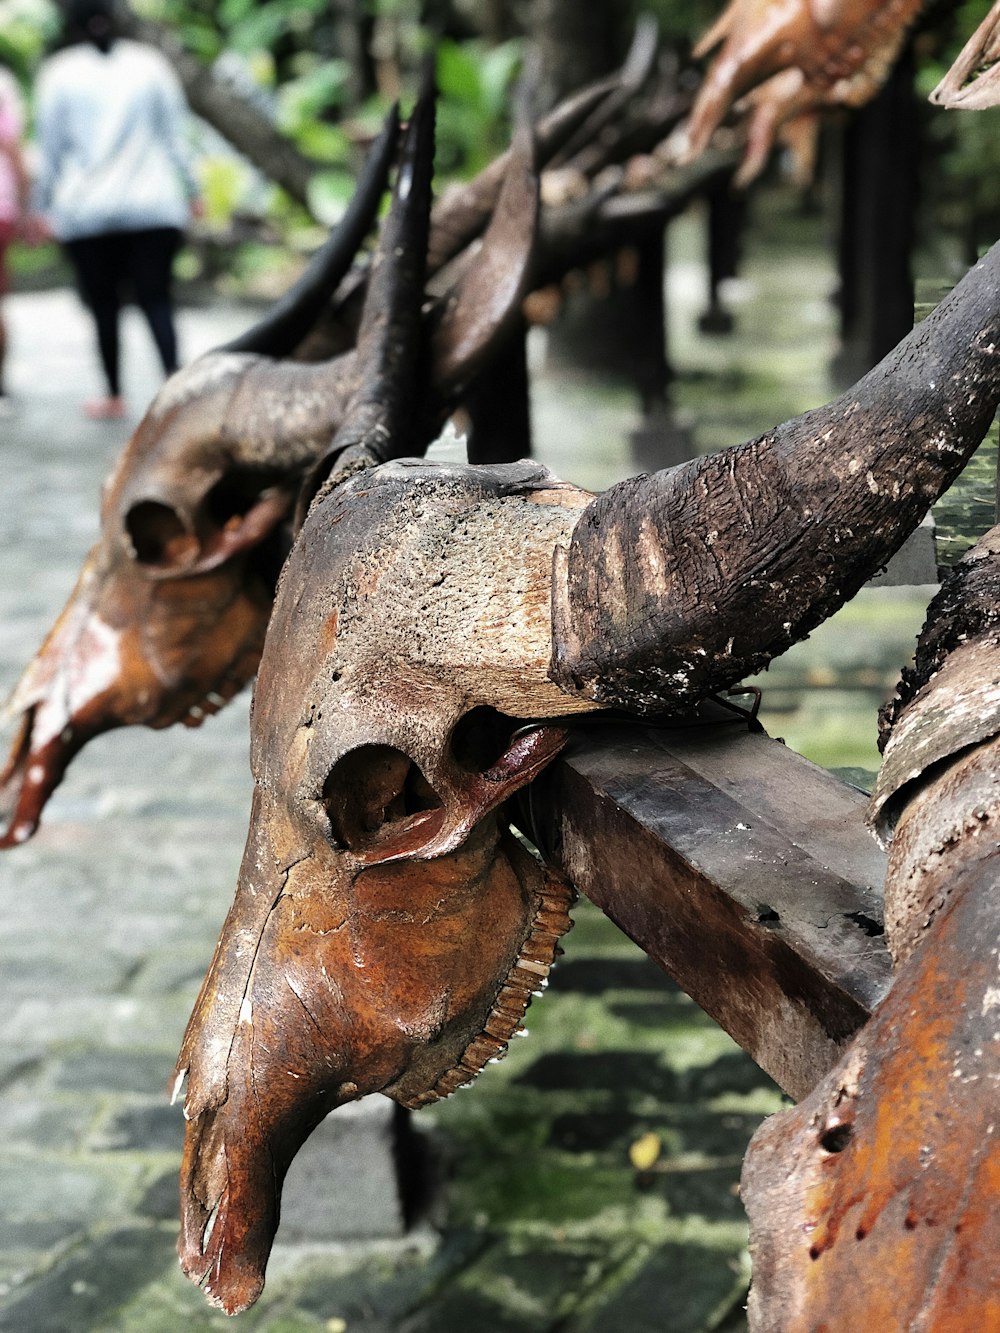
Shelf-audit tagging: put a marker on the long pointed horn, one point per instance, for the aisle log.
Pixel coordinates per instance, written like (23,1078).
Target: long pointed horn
(382,419)
(291,318)
(486,299)
(679,584)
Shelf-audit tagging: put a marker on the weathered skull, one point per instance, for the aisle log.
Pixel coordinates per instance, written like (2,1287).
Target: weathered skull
(388,929)
(167,619)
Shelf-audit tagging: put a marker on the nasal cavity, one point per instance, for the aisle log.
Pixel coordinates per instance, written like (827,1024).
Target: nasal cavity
(481,737)
(373,790)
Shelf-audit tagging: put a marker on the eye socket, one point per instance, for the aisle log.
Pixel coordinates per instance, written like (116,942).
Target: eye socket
(481,737)
(158,536)
(372,791)
(236,493)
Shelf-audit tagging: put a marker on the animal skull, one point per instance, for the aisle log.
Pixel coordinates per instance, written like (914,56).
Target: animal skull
(388,929)
(167,619)
(386,926)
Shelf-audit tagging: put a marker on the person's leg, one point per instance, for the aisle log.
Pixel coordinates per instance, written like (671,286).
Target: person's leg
(96,260)
(151,257)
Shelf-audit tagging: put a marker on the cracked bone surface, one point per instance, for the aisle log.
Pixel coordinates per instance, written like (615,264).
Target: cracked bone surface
(875,1199)
(788,60)
(167,619)
(387,930)
(423,615)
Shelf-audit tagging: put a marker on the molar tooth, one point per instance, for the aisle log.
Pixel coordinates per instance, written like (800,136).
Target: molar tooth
(535,966)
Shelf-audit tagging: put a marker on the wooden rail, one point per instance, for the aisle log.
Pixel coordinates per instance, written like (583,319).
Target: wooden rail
(741,868)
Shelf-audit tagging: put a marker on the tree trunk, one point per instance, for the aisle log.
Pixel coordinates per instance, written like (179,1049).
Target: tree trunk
(881,152)
(238,120)
(571,44)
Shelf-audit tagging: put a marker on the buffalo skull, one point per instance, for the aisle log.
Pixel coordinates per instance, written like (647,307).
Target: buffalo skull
(167,619)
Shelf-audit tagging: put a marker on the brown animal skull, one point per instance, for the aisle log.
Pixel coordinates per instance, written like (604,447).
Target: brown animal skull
(388,929)
(167,619)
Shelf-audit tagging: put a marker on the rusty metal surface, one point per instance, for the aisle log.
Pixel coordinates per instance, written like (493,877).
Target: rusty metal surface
(874,1202)
(742,869)
(876,1199)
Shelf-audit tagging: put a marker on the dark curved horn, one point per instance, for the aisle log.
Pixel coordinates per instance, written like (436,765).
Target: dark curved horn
(486,297)
(383,417)
(682,583)
(291,318)
(636,69)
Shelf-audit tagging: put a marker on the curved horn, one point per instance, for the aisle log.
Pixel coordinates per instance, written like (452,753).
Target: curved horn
(486,298)
(679,584)
(973,82)
(382,419)
(462,213)
(291,318)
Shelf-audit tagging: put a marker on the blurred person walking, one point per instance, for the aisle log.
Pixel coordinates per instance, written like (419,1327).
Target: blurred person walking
(113,180)
(13,197)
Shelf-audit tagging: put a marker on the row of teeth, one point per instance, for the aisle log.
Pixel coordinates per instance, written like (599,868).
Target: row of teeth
(528,977)
(229,686)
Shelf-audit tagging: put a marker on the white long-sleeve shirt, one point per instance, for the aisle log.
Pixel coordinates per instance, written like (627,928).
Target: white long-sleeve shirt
(111,149)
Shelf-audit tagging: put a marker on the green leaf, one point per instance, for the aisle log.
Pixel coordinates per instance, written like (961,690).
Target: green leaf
(329,194)
(260,29)
(234,11)
(326,143)
(458,74)
(497,70)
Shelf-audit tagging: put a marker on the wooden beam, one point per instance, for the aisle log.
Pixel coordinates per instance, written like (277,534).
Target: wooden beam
(742,869)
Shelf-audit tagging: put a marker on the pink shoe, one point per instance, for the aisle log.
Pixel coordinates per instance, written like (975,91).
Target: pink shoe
(105,409)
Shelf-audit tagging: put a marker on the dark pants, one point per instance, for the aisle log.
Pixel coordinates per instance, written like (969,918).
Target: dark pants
(114,265)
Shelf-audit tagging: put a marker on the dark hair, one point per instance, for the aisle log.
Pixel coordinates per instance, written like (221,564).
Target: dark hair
(92,21)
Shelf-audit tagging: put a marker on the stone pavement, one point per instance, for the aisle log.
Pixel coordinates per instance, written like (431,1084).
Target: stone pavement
(586,1182)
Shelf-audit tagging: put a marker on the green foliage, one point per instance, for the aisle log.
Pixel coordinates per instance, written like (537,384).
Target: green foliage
(26,26)
(473,116)
(305,104)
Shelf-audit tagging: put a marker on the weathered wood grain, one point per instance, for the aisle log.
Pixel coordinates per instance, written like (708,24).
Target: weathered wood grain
(740,868)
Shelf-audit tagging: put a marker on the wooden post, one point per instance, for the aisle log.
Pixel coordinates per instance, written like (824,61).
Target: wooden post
(727,210)
(499,406)
(878,204)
